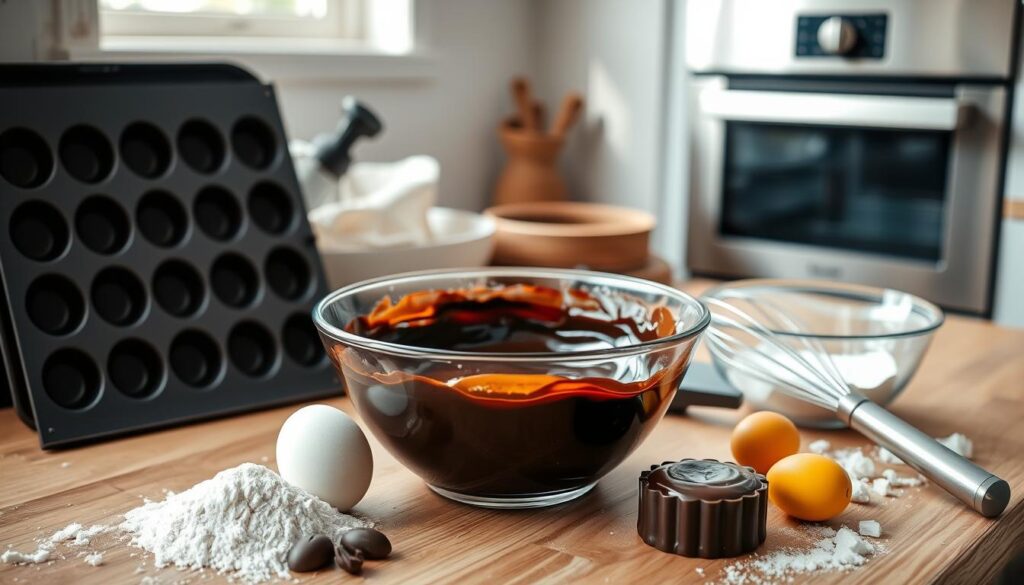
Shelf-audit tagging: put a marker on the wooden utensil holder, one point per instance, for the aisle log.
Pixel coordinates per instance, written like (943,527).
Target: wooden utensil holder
(531,170)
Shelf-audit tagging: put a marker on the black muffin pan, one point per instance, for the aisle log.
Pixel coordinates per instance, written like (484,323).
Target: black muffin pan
(156,262)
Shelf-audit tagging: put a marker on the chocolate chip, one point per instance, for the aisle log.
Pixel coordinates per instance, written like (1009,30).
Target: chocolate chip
(372,543)
(310,553)
(349,560)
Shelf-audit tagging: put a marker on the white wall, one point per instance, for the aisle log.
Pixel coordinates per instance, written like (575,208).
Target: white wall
(474,47)
(1009,289)
(614,52)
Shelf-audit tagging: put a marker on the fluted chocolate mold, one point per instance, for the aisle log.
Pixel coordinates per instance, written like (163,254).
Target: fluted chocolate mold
(703,508)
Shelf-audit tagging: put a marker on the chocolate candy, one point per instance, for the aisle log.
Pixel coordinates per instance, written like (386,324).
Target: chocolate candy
(310,553)
(372,543)
(703,508)
(351,561)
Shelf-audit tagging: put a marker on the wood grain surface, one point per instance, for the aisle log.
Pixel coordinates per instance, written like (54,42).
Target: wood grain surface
(971,381)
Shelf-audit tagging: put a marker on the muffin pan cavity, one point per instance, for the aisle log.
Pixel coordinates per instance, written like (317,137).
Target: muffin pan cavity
(288,274)
(118,296)
(157,266)
(195,359)
(178,288)
(217,213)
(145,150)
(253,143)
(251,349)
(301,341)
(234,280)
(102,225)
(55,305)
(86,154)
(201,146)
(135,368)
(25,159)
(71,379)
(162,219)
(39,231)
(271,208)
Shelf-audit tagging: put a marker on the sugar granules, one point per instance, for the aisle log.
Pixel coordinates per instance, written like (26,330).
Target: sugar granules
(831,550)
(825,549)
(241,522)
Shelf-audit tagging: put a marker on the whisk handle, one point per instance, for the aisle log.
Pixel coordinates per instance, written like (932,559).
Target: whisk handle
(986,493)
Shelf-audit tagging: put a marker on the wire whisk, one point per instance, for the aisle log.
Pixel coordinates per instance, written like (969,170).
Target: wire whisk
(753,345)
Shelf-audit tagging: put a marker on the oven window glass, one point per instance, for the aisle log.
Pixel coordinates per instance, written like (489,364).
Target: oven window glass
(869,190)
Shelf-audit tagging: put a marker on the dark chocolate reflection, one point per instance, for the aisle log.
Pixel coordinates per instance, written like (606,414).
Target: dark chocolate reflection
(459,444)
(506,428)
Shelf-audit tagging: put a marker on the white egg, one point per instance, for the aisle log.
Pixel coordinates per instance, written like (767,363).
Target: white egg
(323,451)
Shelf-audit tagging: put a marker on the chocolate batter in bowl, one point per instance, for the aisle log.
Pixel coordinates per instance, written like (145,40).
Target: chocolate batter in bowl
(510,387)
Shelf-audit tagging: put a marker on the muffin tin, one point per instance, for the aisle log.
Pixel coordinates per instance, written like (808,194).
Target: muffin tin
(157,264)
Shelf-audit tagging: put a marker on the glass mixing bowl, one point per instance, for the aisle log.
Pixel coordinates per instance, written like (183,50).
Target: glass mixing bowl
(875,337)
(497,449)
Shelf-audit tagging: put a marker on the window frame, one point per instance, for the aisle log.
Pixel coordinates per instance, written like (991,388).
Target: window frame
(345,21)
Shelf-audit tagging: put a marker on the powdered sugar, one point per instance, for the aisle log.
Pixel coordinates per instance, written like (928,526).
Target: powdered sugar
(94,559)
(959,444)
(13,557)
(242,521)
(833,550)
(73,534)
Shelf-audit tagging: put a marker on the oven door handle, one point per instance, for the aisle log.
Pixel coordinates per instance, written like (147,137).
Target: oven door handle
(869,111)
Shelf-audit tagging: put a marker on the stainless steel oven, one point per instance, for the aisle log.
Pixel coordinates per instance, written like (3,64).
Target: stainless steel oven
(859,141)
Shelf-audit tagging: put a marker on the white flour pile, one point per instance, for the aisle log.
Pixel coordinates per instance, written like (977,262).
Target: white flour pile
(242,521)
(833,551)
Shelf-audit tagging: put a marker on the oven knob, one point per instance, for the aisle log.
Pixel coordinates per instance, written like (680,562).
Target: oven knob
(837,36)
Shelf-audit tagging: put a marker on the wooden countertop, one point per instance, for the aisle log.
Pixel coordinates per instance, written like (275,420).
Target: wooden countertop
(971,381)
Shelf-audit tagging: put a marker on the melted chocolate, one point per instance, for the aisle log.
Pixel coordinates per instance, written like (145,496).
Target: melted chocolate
(704,480)
(510,428)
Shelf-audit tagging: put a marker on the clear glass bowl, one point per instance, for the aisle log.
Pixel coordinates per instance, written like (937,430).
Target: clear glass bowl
(876,337)
(510,453)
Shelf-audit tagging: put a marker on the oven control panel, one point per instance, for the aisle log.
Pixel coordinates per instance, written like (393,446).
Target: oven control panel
(841,35)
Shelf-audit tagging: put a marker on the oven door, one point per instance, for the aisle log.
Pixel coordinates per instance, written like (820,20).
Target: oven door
(896,191)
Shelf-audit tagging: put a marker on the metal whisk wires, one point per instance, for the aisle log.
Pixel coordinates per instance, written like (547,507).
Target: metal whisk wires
(745,344)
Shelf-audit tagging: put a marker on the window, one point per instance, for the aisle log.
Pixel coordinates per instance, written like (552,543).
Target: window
(380,24)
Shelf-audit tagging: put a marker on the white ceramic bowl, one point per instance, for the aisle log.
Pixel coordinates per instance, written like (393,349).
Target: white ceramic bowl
(462,239)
